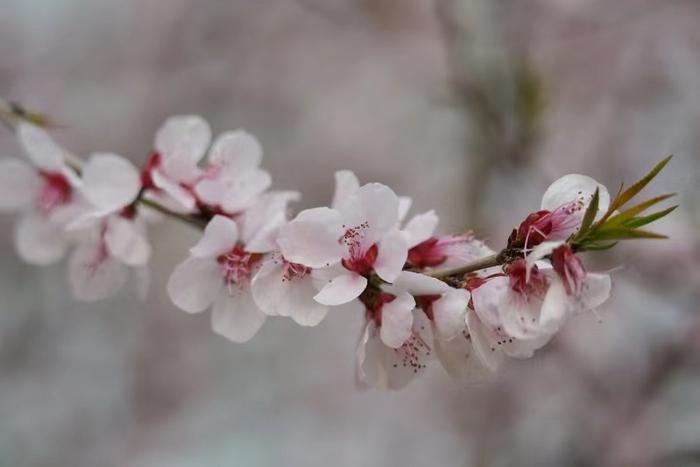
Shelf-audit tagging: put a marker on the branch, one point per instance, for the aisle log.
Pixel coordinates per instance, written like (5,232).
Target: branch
(482,263)
(506,255)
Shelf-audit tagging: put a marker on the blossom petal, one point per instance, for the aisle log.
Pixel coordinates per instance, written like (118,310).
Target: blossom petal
(93,274)
(375,206)
(184,199)
(269,288)
(262,221)
(450,314)
(487,300)
(186,136)
(220,236)
(366,370)
(400,366)
(44,153)
(539,252)
(194,284)
(596,290)
(488,354)
(397,320)
(236,152)
(418,284)
(384,367)
(420,228)
(19,184)
(313,238)
(520,317)
(346,183)
(110,182)
(303,309)
(391,256)
(236,317)
(126,241)
(405,204)
(276,294)
(342,289)
(554,307)
(242,193)
(459,358)
(39,241)
(574,187)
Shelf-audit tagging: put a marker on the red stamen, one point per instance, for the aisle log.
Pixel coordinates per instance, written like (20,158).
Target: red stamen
(238,266)
(362,264)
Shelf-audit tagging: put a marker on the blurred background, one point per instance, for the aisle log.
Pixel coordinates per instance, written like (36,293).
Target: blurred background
(472,107)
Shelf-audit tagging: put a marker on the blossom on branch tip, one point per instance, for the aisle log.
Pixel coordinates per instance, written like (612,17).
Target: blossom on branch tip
(44,191)
(561,212)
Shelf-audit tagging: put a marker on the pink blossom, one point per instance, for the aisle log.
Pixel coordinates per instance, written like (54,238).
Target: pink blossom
(43,191)
(563,205)
(369,242)
(222,265)
(396,341)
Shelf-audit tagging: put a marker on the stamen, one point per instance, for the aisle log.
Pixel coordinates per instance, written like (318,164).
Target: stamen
(238,266)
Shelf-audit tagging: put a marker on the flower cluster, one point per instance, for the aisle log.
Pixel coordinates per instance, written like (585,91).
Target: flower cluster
(425,296)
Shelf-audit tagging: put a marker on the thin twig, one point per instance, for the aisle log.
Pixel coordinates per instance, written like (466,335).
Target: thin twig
(482,263)
(197,222)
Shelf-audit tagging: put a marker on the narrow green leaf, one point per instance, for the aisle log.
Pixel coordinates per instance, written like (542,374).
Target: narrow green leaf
(611,208)
(598,246)
(623,233)
(635,188)
(630,213)
(641,221)
(589,216)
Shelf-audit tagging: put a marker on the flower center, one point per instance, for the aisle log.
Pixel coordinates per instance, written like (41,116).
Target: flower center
(55,192)
(412,353)
(291,271)
(517,273)
(532,231)
(361,262)
(238,266)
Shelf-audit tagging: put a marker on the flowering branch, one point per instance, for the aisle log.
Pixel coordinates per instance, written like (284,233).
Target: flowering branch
(422,294)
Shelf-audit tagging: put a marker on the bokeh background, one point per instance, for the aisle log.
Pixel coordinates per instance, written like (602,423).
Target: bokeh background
(470,106)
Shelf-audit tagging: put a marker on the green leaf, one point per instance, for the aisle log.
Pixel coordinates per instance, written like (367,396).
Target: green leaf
(630,213)
(598,246)
(623,233)
(630,192)
(589,216)
(640,221)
